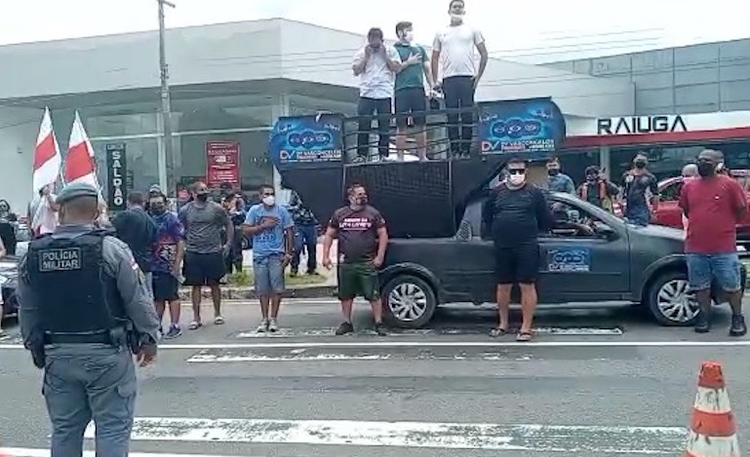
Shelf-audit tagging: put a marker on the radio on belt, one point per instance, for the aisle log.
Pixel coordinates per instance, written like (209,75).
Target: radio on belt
(66,259)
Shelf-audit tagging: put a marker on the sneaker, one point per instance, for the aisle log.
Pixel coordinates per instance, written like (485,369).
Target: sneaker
(263,327)
(703,322)
(174,331)
(273,327)
(380,329)
(738,327)
(345,329)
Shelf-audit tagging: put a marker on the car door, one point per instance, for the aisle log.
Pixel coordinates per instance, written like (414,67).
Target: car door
(578,267)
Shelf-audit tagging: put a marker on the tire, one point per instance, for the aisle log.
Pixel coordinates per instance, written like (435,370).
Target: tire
(670,290)
(416,295)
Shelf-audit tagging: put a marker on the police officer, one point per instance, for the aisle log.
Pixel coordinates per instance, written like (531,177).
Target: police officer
(83,300)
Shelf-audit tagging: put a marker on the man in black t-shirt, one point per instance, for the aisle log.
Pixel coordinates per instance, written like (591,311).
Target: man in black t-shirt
(362,238)
(640,186)
(516,211)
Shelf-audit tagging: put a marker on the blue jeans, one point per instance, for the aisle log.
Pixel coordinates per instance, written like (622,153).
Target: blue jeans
(268,274)
(305,236)
(638,215)
(725,268)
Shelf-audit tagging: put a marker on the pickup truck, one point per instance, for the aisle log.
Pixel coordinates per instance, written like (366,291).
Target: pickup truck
(670,214)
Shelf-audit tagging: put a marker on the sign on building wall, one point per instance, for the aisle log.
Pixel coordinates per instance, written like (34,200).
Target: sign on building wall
(306,140)
(531,128)
(222,163)
(634,125)
(117,172)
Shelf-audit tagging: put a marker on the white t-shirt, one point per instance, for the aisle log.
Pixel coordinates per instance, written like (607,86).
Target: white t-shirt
(44,217)
(377,80)
(456,47)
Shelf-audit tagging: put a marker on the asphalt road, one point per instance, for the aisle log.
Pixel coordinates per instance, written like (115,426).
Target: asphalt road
(592,383)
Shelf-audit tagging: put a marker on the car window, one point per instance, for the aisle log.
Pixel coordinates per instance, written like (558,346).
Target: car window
(569,221)
(671,192)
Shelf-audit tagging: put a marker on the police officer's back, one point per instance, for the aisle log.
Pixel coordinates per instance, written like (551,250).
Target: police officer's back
(83,305)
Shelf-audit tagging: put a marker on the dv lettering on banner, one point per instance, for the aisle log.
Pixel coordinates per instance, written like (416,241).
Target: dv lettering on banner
(116,177)
(640,125)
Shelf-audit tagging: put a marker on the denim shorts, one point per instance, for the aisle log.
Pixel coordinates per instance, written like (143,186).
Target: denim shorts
(268,274)
(724,268)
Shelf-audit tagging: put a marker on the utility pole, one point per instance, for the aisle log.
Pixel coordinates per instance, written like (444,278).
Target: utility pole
(167,160)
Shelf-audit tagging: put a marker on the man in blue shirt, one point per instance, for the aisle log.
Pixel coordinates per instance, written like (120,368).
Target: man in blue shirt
(558,181)
(271,227)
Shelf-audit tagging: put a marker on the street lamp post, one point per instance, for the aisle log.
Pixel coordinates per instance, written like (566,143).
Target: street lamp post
(167,170)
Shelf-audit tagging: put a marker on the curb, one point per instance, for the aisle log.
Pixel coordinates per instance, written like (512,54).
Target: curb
(240,293)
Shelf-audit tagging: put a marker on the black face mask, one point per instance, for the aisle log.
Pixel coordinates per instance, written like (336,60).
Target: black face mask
(706,169)
(640,164)
(591,178)
(553,171)
(158,208)
(201,197)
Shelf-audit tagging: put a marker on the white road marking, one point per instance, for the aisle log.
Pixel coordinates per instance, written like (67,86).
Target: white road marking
(443,344)
(28,452)
(572,440)
(329,331)
(300,355)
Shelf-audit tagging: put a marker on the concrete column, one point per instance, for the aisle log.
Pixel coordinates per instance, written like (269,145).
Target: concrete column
(280,108)
(604,161)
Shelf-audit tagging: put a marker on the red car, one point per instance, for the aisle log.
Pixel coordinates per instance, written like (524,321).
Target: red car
(670,214)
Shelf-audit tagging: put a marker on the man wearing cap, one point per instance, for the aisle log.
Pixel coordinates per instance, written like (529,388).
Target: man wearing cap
(82,302)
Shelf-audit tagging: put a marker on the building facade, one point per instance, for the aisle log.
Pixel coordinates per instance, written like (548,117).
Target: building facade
(705,86)
(229,82)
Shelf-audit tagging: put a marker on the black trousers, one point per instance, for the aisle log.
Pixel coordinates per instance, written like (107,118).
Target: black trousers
(459,93)
(370,107)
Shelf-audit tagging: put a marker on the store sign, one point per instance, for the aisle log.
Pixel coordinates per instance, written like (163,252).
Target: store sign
(222,163)
(116,177)
(640,124)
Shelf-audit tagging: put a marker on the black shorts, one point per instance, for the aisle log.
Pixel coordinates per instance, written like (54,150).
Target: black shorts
(410,101)
(518,264)
(203,269)
(165,286)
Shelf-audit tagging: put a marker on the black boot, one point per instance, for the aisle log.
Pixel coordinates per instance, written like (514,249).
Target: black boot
(738,327)
(703,321)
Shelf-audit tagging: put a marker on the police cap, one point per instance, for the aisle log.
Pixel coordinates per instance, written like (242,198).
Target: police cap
(74,191)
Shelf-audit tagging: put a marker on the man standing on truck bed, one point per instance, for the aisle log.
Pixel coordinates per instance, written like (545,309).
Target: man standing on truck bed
(714,204)
(516,211)
(363,238)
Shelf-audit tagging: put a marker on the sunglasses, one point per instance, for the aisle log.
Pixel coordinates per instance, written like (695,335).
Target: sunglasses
(517,171)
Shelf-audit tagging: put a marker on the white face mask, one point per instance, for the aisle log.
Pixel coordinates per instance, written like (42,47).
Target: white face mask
(409,37)
(516,180)
(457,17)
(269,200)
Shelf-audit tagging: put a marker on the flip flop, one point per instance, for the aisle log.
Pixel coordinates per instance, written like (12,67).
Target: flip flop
(524,336)
(195,325)
(218,320)
(498,332)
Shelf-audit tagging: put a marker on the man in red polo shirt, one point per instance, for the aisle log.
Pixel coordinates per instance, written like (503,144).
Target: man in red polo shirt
(714,204)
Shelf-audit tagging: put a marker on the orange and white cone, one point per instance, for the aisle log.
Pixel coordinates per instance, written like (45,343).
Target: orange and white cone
(713,432)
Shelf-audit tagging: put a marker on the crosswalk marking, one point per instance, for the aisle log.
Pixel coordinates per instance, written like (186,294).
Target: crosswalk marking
(529,438)
(330,331)
(35,452)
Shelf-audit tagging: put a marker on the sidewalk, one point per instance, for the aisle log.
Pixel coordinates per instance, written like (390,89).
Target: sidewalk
(325,288)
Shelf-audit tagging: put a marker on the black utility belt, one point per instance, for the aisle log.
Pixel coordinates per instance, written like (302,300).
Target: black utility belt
(103,337)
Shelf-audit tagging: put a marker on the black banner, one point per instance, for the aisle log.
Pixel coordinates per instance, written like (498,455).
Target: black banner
(117,171)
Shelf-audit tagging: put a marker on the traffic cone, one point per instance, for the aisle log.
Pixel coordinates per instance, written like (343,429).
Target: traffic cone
(713,432)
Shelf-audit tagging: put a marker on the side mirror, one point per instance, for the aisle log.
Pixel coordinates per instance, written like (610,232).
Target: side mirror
(603,230)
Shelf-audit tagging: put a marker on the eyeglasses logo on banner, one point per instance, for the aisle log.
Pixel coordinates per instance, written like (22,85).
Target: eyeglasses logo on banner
(309,138)
(516,128)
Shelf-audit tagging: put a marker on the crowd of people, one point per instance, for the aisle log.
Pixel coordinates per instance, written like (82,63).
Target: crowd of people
(405,77)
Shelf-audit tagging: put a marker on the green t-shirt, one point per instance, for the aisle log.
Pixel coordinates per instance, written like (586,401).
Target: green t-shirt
(413,75)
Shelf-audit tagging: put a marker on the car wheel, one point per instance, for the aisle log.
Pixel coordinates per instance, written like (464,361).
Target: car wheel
(409,302)
(671,302)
